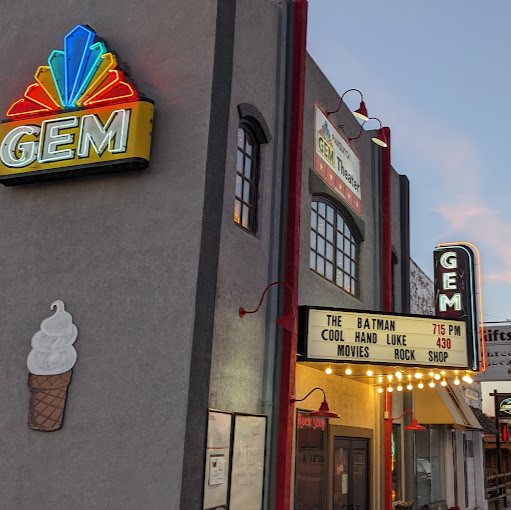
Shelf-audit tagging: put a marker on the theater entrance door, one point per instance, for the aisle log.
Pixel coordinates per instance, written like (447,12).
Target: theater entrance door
(350,473)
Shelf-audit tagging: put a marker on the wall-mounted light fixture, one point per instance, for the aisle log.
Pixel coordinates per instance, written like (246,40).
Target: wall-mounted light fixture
(380,139)
(288,321)
(361,113)
(324,410)
(415,425)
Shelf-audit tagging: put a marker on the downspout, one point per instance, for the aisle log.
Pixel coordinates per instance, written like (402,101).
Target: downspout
(288,370)
(387,305)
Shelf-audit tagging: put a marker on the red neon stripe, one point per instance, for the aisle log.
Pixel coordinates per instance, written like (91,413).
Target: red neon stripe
(37,94)
(25,106)
(113,89)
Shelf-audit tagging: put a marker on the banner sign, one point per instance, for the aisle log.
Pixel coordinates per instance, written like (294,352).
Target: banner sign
(498,353)
(352,336)
(335,161)
(80,116)
(455,291)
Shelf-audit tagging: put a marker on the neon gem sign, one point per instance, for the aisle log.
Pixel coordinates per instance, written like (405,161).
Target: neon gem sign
(81,112)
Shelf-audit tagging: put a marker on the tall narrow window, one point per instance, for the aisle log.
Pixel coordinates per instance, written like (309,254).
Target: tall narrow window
(247,168)
(334,250)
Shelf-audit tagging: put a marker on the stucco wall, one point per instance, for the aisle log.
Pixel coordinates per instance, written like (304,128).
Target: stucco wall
(315,290)
(239,345)
(122,252)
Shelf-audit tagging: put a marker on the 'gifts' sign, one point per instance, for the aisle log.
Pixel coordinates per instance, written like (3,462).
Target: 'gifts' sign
(456,290)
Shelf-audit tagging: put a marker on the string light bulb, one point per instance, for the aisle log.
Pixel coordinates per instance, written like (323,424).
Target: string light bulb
(431,384)
(418,375)
(380,389)
(437,377)
(431,374)
(348,371)
(457,381)
(467,378)
(380,379)
(328,370)
(369,373)
(399,387)
(390,377)
(390,389)
(409,386)
(399,374)
(443,383)
(420,385)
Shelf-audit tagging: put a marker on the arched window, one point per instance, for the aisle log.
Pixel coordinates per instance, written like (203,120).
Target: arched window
(247,170)
(333,249)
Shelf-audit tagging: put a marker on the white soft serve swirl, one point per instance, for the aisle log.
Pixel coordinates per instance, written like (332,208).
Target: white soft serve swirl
(52,346)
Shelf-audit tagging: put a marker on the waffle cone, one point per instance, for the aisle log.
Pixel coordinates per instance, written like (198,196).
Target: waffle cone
(47,400)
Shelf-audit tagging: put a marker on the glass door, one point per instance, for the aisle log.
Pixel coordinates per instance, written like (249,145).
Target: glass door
(350,473)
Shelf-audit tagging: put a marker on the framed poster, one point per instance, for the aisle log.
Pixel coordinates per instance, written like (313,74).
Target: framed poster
(218,450)
(248,457)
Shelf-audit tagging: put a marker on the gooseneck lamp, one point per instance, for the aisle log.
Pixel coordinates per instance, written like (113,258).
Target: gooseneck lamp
(415,425)
(324,410)
(288,322)
(380,139)
(361,113)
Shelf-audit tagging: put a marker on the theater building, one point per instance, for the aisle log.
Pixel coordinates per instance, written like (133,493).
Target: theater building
(149,174)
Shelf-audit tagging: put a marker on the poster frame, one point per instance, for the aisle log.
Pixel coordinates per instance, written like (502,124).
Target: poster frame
(225,506)
(233,438)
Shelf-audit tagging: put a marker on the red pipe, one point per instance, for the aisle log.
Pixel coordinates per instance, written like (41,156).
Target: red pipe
(288,371)
(387,305)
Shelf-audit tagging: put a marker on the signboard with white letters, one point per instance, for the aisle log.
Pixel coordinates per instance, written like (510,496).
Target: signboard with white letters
(455,291)
(351,336)
(498,353)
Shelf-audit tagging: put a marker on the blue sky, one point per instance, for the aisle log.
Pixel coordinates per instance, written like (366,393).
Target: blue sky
(438,74)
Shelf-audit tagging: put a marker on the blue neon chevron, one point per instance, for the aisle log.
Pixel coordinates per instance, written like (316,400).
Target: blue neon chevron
(77,48)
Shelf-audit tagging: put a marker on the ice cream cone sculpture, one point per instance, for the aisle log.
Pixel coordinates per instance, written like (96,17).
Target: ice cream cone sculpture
(50,364)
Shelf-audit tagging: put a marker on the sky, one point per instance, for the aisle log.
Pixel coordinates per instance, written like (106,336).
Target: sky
(438,74)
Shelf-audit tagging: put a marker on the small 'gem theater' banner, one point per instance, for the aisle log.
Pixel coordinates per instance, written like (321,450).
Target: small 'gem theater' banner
(335,161)
(80,116)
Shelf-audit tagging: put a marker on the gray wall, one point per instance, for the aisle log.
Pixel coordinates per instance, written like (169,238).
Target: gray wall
(239,346)
(315,290)
(122,252)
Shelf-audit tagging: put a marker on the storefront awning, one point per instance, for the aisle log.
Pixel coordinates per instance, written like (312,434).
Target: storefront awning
(444,406)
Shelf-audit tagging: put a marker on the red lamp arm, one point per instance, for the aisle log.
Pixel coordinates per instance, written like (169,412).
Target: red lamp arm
(311,391)
(242,312)
(362,126)
(340,102)
(402,414)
